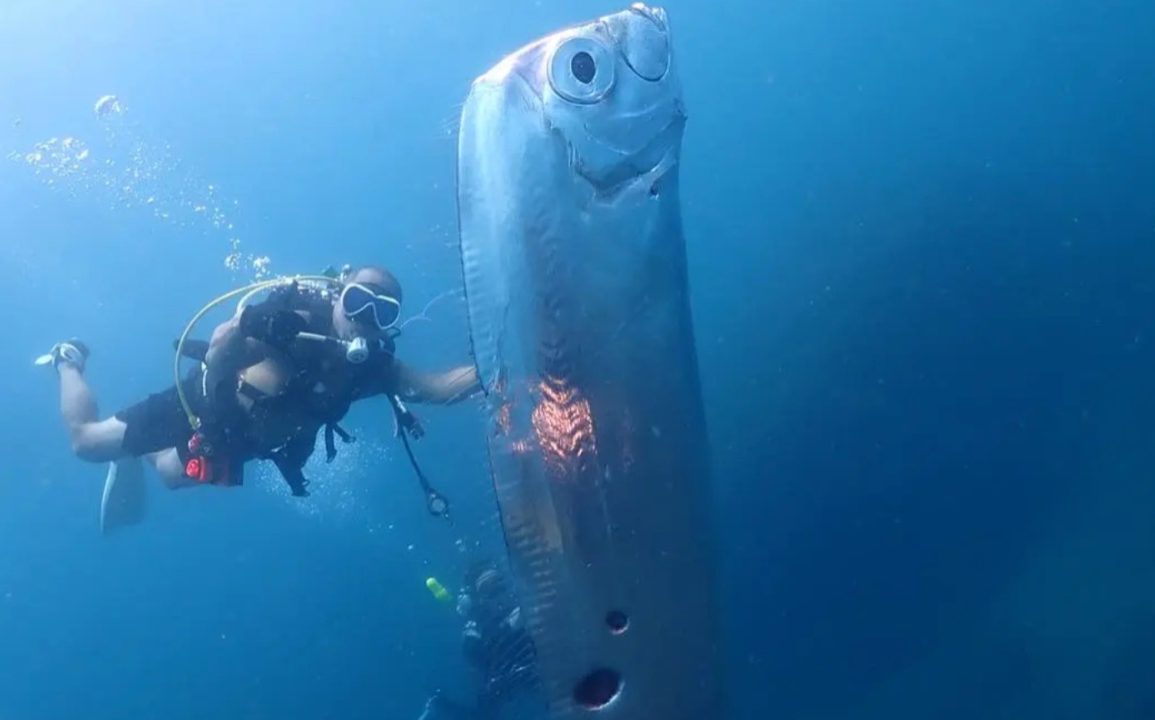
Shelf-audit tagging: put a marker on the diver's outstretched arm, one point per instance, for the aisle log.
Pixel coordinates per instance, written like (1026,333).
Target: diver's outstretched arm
(444,388)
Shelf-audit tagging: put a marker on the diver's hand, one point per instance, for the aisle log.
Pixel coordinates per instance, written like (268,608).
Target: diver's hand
(413,426)
(273,326)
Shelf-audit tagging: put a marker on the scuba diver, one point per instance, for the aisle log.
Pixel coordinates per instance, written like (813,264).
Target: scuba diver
(495,643)
(268,381)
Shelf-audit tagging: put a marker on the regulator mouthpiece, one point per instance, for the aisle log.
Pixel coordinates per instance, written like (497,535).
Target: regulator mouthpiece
(357,350)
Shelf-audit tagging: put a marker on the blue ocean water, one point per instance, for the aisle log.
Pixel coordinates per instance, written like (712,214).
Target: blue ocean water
(922,266)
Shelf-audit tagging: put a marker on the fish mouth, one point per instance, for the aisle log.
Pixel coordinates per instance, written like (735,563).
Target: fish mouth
(607,168)
(649,164)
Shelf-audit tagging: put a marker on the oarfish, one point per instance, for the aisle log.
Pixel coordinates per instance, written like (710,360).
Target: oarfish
(578,302)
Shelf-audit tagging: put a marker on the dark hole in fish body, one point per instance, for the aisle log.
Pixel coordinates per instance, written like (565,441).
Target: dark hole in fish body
(583,67)
(617,621)
(597,689)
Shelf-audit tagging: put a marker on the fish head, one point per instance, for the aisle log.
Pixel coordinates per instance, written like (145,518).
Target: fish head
(608,91)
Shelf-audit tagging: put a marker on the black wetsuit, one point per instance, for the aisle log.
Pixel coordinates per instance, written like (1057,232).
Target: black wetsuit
(497,645)
(159,422)
(503,654)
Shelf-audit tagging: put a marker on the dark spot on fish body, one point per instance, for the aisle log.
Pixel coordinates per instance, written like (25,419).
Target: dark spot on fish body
(597,689)
(617,621)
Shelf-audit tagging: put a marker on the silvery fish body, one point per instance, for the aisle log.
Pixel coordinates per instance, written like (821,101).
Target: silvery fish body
(577,297)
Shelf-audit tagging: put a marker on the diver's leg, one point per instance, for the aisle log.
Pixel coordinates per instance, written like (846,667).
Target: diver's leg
(168,465)
(93,439)
(149,428)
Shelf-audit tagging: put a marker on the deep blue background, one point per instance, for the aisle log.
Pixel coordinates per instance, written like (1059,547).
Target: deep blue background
(923,272)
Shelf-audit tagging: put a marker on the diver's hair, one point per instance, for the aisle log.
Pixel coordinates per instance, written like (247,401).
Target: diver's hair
(477,567)
(387,279)
(493,596)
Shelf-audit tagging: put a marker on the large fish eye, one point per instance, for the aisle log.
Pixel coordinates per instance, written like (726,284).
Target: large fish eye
(581,70)
(583,67)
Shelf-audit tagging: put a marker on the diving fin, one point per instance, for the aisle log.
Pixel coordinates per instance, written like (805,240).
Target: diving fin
(125,495)
(193,349)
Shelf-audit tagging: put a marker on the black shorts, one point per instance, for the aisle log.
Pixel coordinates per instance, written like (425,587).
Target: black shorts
(159,422)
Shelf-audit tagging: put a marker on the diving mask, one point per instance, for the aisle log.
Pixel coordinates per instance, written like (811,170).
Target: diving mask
(369,304)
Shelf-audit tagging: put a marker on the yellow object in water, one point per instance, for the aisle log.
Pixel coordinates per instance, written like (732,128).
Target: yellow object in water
(437,589)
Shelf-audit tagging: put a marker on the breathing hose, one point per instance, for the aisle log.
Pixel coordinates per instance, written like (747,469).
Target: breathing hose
(248,292)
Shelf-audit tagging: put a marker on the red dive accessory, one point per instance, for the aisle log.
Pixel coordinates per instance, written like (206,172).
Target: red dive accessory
(202,466)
